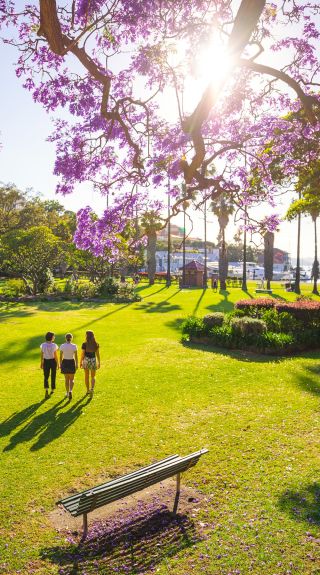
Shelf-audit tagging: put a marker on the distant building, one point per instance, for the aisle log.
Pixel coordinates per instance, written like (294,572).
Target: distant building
(176,258)
(281,260)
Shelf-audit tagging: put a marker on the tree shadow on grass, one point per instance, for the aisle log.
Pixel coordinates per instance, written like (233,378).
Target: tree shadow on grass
(303,505)
(131,545)
(196,307)
(176,323)
(48,426)
(13,310)
(159,307)
(141,288)
(225,305)
(310,382)
(18,418)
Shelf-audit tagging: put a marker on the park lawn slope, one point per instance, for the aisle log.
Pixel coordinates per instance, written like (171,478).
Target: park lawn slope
(259,417)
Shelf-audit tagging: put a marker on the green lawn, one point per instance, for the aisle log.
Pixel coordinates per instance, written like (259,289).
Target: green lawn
(259,484)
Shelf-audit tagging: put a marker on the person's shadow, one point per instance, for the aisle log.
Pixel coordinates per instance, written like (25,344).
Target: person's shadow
(47,426)
(18,418)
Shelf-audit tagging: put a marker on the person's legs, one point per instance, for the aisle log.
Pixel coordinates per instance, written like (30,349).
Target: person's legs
(93,378)
(66,380)
(53,373)
(46,371)
(71,381)
(86,379)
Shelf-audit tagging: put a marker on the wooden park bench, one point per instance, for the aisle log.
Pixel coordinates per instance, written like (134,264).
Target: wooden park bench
(269,291)
(91,499)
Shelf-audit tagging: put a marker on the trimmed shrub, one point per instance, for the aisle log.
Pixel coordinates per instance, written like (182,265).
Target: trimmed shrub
(247,326)
(305,311)
(214,319)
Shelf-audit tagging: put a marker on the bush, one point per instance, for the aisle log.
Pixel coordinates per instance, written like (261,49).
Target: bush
(222,336)
(193,326)
(254,307)
(109,286)
(247,326)
(274,341)
(277,322)
(14,288)
(305,311)
(80,288)
(214,319)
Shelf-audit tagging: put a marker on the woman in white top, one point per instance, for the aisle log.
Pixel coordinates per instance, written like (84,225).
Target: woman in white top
(69,363)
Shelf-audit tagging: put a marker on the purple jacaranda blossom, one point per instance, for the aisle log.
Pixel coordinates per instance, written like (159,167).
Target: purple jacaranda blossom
(116,62)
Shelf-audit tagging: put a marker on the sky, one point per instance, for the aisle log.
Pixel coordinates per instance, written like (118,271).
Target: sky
(27,160)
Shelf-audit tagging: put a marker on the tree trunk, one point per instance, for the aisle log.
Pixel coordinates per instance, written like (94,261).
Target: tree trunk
(151,255)
(268,257)
(297,278)
(315,267)
(223,262)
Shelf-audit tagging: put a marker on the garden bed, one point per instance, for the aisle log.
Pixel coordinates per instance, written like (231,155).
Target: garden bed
(260,326)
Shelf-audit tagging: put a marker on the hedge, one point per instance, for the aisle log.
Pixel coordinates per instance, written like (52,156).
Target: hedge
(305,311)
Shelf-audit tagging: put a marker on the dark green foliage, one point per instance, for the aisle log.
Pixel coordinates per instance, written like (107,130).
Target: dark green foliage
(279,322)
(274,341)
(109,286)
(193,326)
(214,319)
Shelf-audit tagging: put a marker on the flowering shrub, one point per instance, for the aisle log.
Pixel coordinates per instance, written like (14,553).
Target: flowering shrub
(306,311)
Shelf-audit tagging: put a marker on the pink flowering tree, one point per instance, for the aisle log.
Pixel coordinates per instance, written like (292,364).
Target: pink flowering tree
(111,64)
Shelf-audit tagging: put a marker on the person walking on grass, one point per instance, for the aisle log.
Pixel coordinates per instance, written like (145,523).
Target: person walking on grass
(90,360)
(68,363)
(49,361)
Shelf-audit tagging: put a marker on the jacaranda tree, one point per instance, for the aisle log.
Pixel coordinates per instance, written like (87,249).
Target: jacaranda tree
(112,64)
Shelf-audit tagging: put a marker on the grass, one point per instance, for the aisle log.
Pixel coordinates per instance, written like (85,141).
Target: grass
(259,417)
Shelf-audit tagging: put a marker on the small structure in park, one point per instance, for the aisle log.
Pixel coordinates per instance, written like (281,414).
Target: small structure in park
(193,274)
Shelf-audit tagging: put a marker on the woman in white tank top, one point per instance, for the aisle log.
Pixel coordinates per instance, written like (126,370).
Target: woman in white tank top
(69,363)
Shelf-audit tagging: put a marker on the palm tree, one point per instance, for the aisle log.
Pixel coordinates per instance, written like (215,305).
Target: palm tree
(223,209)
(151,224)
(309,204)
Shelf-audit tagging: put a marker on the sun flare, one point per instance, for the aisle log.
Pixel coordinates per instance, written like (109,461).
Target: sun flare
(213,64)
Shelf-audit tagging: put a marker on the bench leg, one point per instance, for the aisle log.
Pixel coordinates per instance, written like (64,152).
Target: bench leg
(176,501)
(85,526)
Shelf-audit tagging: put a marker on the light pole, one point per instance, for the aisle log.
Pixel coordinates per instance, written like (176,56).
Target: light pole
(205,272)
(244,269)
